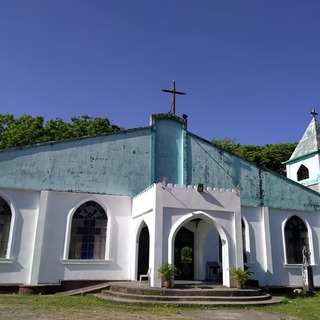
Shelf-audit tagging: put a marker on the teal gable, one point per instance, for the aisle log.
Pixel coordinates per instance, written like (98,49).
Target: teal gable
(110,164)
(258,186)
(128,162)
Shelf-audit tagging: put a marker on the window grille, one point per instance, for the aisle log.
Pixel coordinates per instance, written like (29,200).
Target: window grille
(296,237)
(5,222)
(88,232)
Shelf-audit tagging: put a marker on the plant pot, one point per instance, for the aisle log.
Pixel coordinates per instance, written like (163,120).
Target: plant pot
(240,285)
(167,284)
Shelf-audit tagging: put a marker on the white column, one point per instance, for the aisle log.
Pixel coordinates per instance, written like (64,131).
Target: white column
(38,239)
(266,246)
(156,239)
(237,245)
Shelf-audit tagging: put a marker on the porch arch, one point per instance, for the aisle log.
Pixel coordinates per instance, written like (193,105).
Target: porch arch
(211,221)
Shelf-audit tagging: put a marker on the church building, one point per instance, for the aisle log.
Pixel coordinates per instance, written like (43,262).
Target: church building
(112,207)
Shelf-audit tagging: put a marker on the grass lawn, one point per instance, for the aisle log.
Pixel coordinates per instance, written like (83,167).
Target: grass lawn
(84,307)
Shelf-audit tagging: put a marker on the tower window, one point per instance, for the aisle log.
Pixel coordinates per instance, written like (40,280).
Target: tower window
(303,173)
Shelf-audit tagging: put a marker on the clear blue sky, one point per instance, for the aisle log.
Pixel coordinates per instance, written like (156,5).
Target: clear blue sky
(250,68)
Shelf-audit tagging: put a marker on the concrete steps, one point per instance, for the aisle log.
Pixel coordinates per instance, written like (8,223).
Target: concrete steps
(130,292)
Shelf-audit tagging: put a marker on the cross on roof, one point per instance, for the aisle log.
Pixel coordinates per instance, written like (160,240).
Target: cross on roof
(314,113)
(174,92)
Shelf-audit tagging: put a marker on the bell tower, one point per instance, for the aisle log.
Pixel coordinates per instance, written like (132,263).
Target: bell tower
(304,164)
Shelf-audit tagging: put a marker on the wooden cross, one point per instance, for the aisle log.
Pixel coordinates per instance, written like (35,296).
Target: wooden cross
(314,113)
(174,92)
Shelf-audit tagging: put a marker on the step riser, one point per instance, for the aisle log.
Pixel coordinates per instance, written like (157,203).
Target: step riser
(202,292)
(204,295)
(185,298)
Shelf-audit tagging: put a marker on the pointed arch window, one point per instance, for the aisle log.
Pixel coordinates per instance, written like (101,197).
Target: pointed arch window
(5,223)
(296,237)
(303,173)
(88,232)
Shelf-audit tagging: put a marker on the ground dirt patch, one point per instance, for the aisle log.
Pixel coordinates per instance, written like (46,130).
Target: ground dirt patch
(99,314)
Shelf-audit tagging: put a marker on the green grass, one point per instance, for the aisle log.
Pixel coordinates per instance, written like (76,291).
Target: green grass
(306,308)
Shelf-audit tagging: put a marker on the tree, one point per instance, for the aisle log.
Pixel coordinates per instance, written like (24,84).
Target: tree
(22,131)
(87,126)
(229,144)
(28,130)
(270,156)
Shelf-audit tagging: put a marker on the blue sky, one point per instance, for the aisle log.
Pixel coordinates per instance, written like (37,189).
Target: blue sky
(250,68)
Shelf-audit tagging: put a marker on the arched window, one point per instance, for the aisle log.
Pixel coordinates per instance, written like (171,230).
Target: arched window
(244,242)
(88,232)
(303,173)
(296,237)
(5,222)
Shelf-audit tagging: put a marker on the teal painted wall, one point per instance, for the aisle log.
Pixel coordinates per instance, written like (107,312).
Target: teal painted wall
(168,148)
(128,162)
(112,164)
(217,168)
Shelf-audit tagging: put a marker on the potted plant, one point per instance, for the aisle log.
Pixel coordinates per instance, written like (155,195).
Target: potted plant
(240,275)
(166,272)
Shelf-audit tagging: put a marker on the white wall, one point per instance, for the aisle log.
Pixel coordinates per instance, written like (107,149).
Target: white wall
(24,206)
(267,253)
(258,245)
(40,239)
(285,274)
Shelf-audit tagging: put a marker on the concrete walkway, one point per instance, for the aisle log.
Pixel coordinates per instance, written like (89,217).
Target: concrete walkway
(235,315)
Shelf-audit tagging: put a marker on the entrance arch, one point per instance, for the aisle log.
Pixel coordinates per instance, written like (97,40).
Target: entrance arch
(210,246)
(143,251)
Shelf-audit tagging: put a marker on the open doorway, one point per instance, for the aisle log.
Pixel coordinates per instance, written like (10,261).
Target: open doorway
(198,250)
(183,253)
(143,251)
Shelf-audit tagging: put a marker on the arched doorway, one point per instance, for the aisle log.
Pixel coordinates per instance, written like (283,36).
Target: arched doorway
(143,251)
(200,242)
(183,253)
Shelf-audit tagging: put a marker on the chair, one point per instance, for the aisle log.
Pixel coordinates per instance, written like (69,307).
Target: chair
(145,276)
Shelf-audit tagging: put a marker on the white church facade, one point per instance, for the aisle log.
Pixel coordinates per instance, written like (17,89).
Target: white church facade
(111,207)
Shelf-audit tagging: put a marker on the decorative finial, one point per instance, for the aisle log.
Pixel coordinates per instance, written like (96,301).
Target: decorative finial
(313,113)
(164,181)
(174,92)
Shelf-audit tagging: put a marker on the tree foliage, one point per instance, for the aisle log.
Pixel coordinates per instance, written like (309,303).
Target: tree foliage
(28,130)
(270,156)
